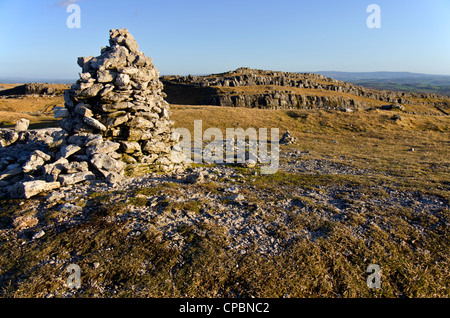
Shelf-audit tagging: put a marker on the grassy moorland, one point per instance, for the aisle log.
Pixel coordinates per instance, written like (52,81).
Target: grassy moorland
(385,200)
(39,110)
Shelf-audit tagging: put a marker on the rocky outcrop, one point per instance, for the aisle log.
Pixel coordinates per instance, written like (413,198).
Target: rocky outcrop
(282,98)
(115,115)
(249,77)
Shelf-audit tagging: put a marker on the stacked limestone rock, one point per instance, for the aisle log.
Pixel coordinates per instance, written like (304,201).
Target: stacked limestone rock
(25,158)
(287,139)
(119,99)
(114,115)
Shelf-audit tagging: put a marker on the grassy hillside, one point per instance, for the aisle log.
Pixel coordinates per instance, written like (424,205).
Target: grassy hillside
(39,110)
(348,194)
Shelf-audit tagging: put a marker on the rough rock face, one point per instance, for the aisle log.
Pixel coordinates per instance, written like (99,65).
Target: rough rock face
(115,115)
(284,100)
(286,97)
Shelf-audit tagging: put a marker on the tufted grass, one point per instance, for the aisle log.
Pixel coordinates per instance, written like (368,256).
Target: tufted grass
(411,247)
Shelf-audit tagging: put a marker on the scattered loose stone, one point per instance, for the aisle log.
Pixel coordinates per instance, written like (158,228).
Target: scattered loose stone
(24,222)
(237,197)
(55,196)
(22,125)
(233,189)
(38,235)
(197,177)
(69,208)
(74,178)
(31,188)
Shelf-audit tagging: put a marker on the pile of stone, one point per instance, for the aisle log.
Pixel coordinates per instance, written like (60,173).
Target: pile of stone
(118,105)
(115,115)
(287,139)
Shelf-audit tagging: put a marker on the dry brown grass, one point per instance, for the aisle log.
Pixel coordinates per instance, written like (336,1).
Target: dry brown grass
(302,120)
(413,250)
(31,104)
(36,109)
(363,139)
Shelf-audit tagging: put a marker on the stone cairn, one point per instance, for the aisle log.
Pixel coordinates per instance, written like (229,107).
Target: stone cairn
(115,115)
(287,139)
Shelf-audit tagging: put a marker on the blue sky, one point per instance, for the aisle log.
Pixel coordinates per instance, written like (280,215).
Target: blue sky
(212,36)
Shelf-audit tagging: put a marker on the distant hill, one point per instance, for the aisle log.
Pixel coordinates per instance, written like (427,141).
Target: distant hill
(35,88)
(26,80)
(395,81)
